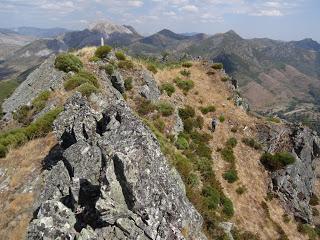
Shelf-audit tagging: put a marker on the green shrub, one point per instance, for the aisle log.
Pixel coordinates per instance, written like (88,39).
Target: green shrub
(227,154)
(227,207)
(94,59)
(68,62)
(87,89)
(199,122)
(182,143)
(79,79)
(102,52)
(185,73)
(165,109)
(222,118)
(23,115)
(241,190)
(168,88)
(192,180)
(273,119)
(252,143)
(217,66)
(231,175)
(186,112)
(40,101)
(308,230)
(276,161)
(212,196)
(189,124)
(145,106)
(187,64)
(152,68)
(109,69)
(120,55)
(128,84)
(41,127)
(183,165)
(159,124)
(125,64)
(208,109)
(3,151)
(232,142)
(225,79)
(185,85)
(314,200)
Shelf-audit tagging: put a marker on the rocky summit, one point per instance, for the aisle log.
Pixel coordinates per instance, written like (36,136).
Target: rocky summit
(111,181)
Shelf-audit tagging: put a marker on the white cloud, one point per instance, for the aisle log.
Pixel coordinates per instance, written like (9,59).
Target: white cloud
(190,8)
(268,13)
(135,3)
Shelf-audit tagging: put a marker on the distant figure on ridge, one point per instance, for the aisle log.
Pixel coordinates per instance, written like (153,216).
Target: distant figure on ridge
(214,124)
(102,42)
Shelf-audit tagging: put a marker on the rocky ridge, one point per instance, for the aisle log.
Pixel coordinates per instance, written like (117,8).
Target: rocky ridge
(112,181)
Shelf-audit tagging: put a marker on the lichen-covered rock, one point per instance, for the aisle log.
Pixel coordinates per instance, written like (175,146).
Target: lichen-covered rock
(120,185)
(150,89)
(295,183)
(117,82)
(44,78)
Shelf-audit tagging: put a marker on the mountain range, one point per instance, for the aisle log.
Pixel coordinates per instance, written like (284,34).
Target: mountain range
(275,77)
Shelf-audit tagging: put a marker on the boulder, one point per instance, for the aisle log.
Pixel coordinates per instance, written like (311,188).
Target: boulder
(295,183)
(46,77)
(150,89)
(120,184)
(117,82)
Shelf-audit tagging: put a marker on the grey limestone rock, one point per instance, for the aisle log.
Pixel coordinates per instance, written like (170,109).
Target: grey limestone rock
(150,89)
(119,183)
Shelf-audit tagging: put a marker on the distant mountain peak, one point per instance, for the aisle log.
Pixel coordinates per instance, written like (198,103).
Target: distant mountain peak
(107,27)
(233,34)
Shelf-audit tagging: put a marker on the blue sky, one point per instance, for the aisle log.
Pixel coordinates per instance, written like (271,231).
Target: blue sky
(277,19)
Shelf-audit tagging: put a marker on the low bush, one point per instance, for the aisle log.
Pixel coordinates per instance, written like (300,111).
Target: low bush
(94,59)
(165,109)
(79,79)
(3,151)
(182,143)
(308,230)
(217,66)
(41,127)
(120,55)
(87,89)
(207,109)
(159,124)
(186,112)
(125,64)
(109,69)
(212,197)
(145,106)
(273,119)
(227,154)
(199,122)
(187,64)
(232,142)
(224,79)
(102,52)
(228,209)
(314,200)
(168,88)
(152,68)
(68,62)
(185,85)
(39,102)
(252,143)
(128,83)
(222,118)
(185,73)
(192,180)
(276,161)
(241,190)
(231,175)
(23,115)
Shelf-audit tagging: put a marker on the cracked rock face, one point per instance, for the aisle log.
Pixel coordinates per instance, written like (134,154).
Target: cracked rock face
(150,89)
(111,181)
(294,184)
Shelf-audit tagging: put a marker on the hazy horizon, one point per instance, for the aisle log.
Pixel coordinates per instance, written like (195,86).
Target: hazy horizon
(275,19)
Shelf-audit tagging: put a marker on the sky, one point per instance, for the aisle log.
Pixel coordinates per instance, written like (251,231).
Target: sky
(276,19)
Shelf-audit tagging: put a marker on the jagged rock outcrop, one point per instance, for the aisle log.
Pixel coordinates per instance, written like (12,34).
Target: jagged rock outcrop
(43,78)
(150,89)
(294,184)
(117,82)
(111,180)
